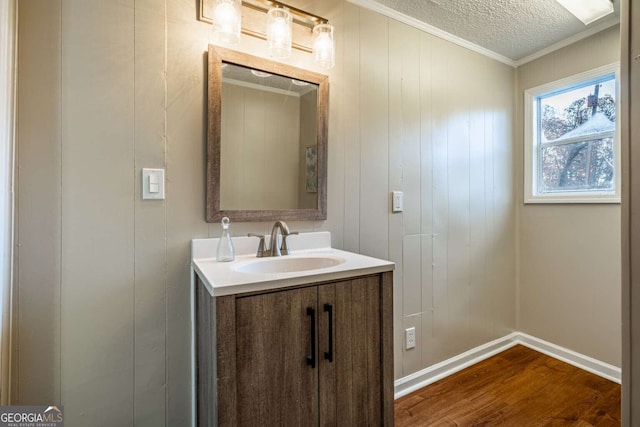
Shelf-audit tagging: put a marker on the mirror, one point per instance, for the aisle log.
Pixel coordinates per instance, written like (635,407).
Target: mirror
(266,139)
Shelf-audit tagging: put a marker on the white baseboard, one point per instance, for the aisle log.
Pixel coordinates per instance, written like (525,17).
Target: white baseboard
(417,380)
(450,366)
(589,364)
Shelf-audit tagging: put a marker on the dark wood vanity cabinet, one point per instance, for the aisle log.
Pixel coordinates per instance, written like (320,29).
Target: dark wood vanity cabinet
(319,354)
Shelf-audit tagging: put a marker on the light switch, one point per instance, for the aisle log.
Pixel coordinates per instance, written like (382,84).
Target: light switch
(154,186)
(152,183)
(396,201)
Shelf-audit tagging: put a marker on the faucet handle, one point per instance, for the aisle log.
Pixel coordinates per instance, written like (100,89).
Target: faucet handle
(284,249)
(261,249)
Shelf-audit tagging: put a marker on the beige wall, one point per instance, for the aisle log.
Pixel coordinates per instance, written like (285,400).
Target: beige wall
(569,255)
(109,87)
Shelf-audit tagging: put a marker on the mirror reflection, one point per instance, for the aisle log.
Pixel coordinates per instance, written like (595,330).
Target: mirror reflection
(268,147)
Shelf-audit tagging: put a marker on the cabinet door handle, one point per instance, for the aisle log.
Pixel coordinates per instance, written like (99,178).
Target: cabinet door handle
(311,360)
(329,354)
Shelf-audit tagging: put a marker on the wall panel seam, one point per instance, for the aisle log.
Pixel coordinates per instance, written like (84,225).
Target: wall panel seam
(166,263)
(61,136)
(135,214)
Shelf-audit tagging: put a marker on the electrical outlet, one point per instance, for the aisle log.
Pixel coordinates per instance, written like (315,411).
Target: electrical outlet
(410,338)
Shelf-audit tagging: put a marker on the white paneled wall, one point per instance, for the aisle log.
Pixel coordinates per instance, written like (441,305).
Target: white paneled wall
(450,113)
(151,146)
(98,208)
(110,86)
(38,182)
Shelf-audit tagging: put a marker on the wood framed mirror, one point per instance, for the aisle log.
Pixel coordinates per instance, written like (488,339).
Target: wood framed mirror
(266,139)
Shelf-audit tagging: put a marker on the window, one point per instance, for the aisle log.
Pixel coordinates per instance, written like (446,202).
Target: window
(571,145)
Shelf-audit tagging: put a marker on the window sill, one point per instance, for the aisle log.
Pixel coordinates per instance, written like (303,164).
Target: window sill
(572,198)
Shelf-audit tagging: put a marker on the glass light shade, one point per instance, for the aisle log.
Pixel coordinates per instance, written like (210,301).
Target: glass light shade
(323,47)
(279,32)
(227,17)
(588,11)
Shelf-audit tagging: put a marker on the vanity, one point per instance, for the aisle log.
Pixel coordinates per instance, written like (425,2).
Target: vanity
(298,333)
(300,339)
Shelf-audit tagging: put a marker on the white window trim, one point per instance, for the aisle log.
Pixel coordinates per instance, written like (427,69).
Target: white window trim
(531,138)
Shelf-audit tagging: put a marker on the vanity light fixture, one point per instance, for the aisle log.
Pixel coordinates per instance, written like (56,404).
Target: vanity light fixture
(279,32)
(227,17)
(287,27)
(588,11)
(323,46)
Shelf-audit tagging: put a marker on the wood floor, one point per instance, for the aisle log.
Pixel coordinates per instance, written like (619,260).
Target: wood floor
(518,387)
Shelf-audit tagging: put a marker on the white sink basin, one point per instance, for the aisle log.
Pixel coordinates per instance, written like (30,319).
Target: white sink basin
(287,264)
(312,260)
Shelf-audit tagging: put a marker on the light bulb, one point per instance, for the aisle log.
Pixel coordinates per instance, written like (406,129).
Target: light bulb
(323,47)
(226,21)
(279,32)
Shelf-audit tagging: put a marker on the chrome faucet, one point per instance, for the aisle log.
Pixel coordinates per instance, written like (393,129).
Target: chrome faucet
(274,249)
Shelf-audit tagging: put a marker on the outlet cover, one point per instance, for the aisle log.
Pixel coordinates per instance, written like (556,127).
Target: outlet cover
(410,338)
(397,202)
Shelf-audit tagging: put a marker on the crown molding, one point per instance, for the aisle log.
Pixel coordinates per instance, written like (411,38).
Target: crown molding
(401,17)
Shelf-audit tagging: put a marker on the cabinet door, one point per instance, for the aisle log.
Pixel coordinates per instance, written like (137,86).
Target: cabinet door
(351,384)
(276,385)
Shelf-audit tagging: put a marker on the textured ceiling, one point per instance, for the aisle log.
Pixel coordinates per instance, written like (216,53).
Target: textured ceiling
(512,28)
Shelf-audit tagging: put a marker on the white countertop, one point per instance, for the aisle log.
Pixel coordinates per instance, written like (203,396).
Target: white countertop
(221,278)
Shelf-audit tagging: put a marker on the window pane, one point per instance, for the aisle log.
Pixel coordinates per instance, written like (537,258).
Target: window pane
(602,169)
(564,167)
(580,111)
(582,166)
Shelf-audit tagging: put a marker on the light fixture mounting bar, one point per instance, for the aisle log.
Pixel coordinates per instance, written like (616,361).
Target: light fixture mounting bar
(300,17)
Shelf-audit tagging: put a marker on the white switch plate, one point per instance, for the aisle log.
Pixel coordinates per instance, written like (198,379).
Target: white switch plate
(152,183)
(410,338)
(396,201)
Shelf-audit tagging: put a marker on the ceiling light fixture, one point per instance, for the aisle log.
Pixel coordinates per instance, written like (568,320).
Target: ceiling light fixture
(588,11)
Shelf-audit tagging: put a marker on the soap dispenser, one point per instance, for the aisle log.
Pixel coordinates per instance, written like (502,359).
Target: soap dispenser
(225,251)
